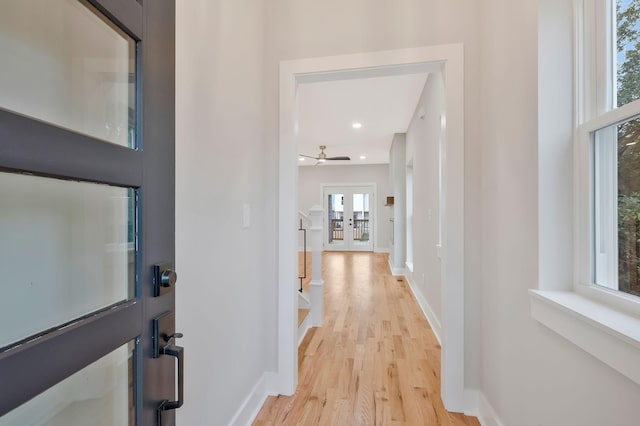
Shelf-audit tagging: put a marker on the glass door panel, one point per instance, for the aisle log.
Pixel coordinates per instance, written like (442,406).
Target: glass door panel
(99,394)
(66,249)
(68,66)
(335,221)
(361,230)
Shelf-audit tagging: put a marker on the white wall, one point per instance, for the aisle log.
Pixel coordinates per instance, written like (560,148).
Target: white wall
(423,140)
(397,177)
(226,294)
(310,179)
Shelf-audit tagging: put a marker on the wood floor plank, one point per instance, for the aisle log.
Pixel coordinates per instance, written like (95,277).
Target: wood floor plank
(375,361)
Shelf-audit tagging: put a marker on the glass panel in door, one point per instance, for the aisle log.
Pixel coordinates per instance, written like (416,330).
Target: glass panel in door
(66,249)
(69,66)
(361,234)
(99,394)
(335,221)
(360,221)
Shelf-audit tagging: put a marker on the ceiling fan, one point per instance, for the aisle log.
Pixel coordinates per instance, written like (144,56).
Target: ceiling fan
(322,157)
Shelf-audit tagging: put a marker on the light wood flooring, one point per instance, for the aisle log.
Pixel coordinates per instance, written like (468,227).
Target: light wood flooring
(375,361)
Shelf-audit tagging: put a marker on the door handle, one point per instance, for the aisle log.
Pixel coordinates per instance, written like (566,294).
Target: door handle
(178,352)
(163,343)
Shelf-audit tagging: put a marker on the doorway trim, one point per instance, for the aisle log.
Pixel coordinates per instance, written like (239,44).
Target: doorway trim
(448,59)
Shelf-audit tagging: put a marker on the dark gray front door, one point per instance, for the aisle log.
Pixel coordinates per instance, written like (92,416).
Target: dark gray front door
(87,213)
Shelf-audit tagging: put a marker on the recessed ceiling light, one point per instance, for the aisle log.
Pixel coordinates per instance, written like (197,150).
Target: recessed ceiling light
(301,159)
(363,157)
(356,125)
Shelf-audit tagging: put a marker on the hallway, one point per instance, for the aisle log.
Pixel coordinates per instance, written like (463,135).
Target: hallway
(375,360)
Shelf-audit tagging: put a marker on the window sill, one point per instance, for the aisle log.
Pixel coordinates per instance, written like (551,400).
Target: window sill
(609,335)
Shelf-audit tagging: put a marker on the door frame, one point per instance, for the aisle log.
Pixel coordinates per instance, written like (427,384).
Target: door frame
(373,226)
(447,58)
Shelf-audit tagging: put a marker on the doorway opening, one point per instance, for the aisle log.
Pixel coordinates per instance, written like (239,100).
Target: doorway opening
(444,59)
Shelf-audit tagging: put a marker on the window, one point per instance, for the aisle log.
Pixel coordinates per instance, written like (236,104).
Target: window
(608,164)
(409,207)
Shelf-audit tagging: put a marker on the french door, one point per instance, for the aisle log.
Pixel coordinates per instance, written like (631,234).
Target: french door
(349,218)
(87,213)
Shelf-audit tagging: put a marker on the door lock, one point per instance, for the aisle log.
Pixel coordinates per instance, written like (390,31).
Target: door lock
(164,278)
(168,278)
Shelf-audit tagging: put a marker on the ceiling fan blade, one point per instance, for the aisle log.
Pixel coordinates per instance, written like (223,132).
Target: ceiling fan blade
(308,156)
(345,158)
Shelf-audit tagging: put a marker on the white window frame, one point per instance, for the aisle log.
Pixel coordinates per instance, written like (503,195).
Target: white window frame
(595,157)
(599,263)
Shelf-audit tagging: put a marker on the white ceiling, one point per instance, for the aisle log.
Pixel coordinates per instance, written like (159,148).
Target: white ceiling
(327,110)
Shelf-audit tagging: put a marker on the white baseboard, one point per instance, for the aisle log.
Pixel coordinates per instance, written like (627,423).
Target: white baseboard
(255,400)
(478,406)
(486,413)
(471,397)
(395,271)
(304,327)
(426,309)
(409,266)
(381,250)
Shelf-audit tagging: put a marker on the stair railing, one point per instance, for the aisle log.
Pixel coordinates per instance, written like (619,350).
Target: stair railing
(302,276)
(304,223)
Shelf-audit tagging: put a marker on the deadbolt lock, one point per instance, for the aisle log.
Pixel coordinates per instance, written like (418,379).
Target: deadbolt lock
(164,278)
